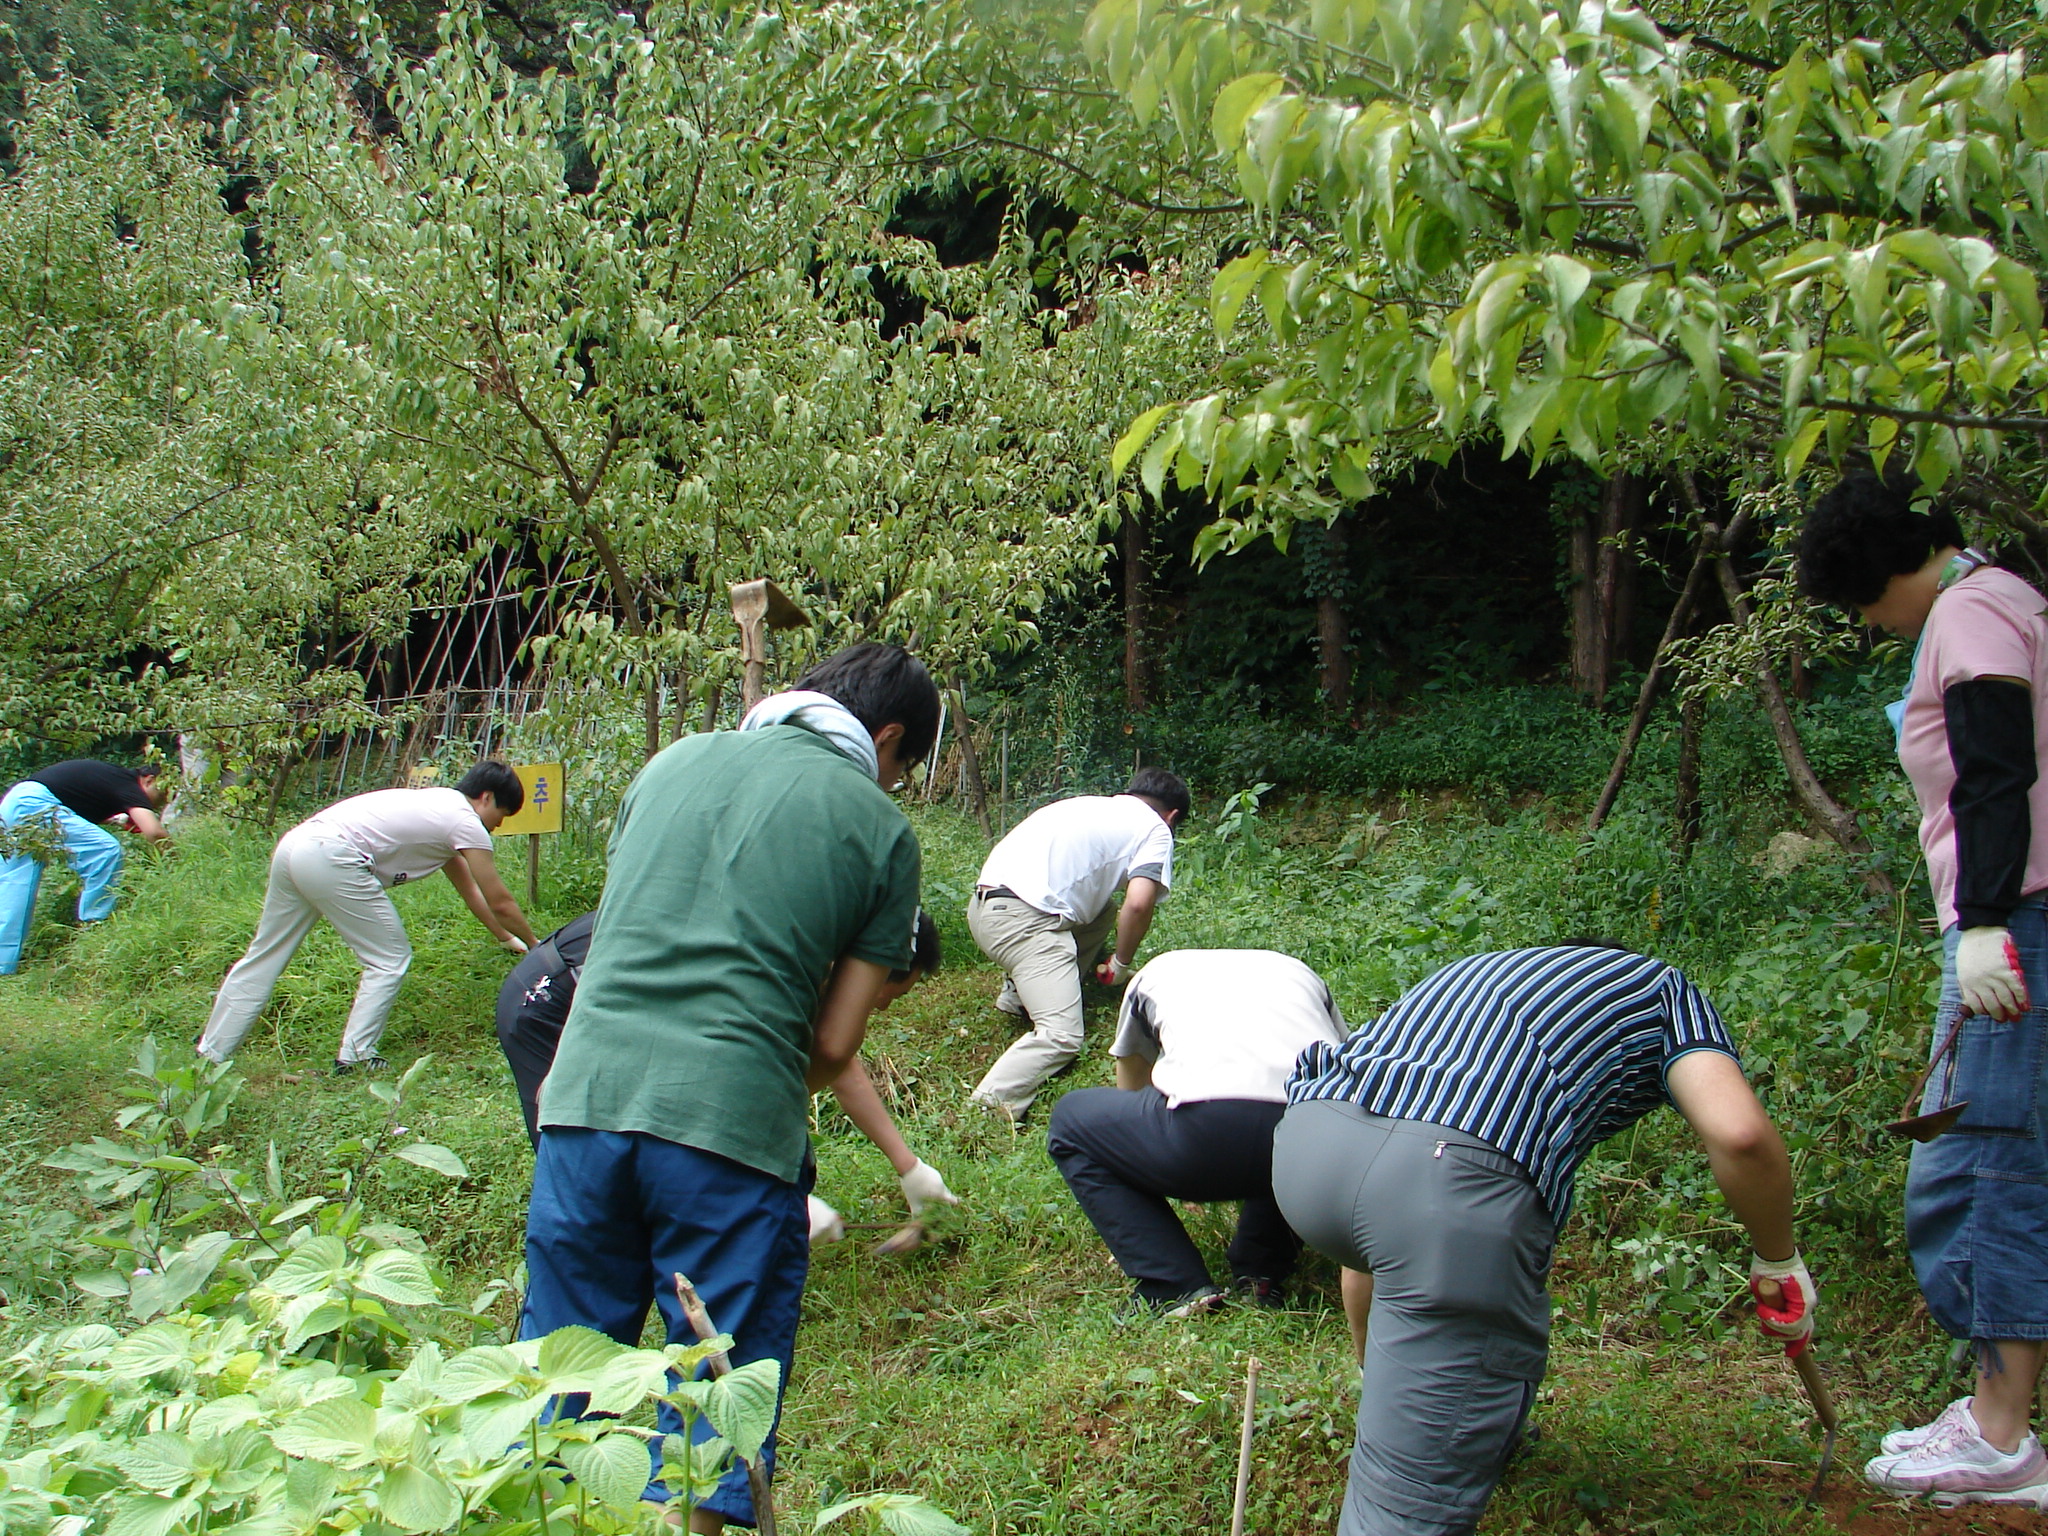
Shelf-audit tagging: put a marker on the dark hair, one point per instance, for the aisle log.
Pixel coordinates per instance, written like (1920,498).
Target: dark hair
(882,685)
(501,781)
(1863,533)
(924,949)
(1168,791)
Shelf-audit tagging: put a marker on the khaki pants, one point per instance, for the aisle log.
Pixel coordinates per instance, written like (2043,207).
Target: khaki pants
(312,877)
(1044,957)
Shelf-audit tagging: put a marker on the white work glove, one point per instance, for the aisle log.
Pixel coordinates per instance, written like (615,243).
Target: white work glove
(1790,1321)
(513,942)
(924,1186)
(1112,972)
(827,1226)
(1988,973)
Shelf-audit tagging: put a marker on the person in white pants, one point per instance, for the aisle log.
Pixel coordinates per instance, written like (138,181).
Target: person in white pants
(339,865)
(1044,904)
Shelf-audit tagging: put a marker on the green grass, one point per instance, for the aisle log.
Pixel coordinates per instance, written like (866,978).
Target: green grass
(987,1371)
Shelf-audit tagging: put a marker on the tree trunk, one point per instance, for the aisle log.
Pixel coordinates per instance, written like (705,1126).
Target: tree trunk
(1137,678)
(1686,812)
(653,711)
(970,762)
(1712,543)
(712,700)
(1333,624)
(1603,571)
(1826,812)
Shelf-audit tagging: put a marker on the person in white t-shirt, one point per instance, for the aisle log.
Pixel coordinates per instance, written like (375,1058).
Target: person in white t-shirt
(1044,904)
(1204,1046)
(339,864)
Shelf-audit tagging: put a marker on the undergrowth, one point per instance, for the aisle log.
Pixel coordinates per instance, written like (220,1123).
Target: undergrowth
(988,1371)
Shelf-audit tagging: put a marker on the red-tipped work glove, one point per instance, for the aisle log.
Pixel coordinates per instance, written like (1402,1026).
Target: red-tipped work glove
(1988,973)
(1112,972)
(1788,1320)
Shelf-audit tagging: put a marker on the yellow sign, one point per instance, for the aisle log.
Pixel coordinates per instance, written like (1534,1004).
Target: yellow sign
(543,809)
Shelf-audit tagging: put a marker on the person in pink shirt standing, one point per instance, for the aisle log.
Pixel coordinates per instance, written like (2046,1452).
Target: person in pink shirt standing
(1972,732)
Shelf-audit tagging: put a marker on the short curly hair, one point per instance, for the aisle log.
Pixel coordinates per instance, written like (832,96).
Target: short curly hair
(1863,533)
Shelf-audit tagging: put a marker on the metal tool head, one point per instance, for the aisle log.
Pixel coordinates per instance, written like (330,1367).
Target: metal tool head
(1928,1126)
(906,1239)
(1824,1410)
(1827,1459)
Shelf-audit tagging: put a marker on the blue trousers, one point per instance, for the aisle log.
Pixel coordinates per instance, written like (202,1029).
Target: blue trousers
(1977,1198)
(92,851)
(615,1216)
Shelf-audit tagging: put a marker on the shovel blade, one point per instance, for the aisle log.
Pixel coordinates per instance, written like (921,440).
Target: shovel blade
(1928,1126)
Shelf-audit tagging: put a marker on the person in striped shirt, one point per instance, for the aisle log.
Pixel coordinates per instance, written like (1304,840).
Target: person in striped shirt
(1432,1155)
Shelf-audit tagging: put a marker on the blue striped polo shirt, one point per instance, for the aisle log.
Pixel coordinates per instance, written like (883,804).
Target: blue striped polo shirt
(1544,1053)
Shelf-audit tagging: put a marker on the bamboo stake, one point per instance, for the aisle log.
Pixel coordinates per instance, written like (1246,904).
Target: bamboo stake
(720,1365)
(1244,1447)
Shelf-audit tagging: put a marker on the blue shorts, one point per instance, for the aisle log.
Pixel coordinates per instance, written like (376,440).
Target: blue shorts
(1977,1198)
(615,1216)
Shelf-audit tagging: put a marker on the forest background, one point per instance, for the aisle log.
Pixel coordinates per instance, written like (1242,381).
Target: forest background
(1391,413)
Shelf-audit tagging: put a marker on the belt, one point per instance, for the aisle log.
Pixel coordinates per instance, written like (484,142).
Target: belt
(983,892)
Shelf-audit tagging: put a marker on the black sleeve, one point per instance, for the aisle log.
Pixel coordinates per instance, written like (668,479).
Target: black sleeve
(1991,743)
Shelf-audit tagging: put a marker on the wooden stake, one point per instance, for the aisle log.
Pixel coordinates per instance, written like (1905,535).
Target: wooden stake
(1244,1447)
(532,871)
(720,1365)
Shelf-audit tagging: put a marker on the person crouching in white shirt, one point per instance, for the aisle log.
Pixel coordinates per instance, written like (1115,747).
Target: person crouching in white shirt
(1204,1046)
(1045,902)
(339,864)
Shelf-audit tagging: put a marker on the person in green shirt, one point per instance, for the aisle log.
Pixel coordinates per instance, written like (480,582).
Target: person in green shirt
(748,870)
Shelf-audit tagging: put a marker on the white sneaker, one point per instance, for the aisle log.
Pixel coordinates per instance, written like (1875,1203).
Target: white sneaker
(1007,1001)
(1911,1439)
(1955,1464)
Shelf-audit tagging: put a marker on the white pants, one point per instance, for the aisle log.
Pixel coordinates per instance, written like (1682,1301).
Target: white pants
(311,877)
(1043,958)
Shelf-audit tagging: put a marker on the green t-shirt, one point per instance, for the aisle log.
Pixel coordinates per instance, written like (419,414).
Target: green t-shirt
(743,864)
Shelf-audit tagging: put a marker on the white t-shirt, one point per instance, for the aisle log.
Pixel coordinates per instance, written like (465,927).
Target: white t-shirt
(1069,858)
(1225,1023)
(404,833)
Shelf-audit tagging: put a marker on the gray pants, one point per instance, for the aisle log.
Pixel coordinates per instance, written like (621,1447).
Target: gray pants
(312,877)
(1458,1243)
(1043,956)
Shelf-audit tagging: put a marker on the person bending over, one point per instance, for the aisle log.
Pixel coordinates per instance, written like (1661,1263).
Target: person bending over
(1204,1046)
(1432,1155)
(1045,902)
(77,801)
(340,864)
(748,870)
(1972,732)
(534,1002)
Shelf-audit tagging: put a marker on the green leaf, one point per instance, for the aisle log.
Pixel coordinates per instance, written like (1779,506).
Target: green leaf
(314,1266)
(614,1467)
(902,1513)
(1232,286)
(148,1516)
(428,1155)
(399,1276)
(341,1431)
(1235,103)
(741,1404)
(571,1358)
(181,1278)
(1128,445)
(477,1372)
(414,1499)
